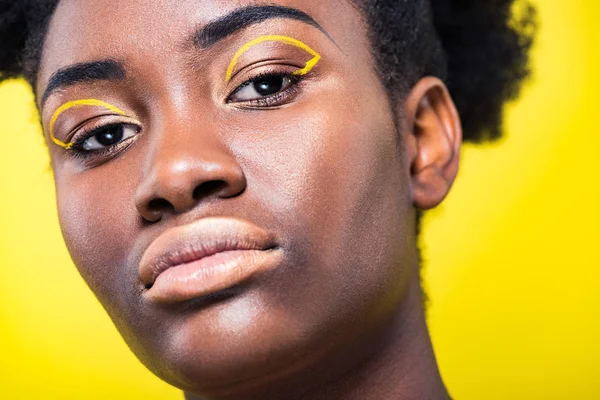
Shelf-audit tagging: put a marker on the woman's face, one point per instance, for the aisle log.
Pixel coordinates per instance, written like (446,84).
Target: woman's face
(298,181)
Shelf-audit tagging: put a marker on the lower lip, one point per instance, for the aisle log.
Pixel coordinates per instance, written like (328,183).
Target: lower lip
(210,274)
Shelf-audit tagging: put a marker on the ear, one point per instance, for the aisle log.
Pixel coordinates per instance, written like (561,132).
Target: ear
(434,139)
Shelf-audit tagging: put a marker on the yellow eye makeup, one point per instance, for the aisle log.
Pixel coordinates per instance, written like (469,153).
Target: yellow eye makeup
(275,38)
(316,57)
(74,104)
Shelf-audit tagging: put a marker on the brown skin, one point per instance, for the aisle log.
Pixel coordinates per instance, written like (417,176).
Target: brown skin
(331,173)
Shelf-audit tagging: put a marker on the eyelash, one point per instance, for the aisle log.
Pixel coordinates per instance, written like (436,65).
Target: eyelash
(273,100)
(270,101)
(77,149)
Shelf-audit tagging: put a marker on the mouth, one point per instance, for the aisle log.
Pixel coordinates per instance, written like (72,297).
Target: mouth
(205,257)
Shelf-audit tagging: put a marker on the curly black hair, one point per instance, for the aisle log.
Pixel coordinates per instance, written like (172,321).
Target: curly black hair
(477,47)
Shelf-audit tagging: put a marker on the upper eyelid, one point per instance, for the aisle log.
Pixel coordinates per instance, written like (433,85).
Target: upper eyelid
(73,104)
(277,38)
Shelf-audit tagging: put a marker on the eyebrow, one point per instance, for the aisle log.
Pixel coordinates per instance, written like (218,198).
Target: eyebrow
(241,18)
(111,70)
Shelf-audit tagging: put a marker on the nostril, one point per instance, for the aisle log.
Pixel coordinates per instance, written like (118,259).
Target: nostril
(208,189)
(160,205)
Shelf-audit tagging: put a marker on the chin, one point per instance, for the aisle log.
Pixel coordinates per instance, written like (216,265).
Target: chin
(231,339)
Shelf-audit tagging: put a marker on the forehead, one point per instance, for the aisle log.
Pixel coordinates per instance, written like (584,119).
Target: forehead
(86,30)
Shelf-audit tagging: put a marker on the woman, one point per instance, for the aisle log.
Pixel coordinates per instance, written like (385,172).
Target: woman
(240,183)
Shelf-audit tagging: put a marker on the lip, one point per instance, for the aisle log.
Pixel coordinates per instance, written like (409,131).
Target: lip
(207,256)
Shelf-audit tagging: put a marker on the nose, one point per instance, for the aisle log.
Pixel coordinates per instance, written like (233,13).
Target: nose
(181,176)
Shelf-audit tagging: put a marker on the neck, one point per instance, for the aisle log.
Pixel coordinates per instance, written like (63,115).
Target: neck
(400,364)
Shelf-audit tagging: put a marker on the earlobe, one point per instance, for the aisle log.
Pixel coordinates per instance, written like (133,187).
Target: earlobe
(434,140)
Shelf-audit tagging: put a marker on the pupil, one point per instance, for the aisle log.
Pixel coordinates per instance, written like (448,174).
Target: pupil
(110,136)
(269,85)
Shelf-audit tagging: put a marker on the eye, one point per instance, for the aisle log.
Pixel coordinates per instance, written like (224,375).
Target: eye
(107,136)
(261,87)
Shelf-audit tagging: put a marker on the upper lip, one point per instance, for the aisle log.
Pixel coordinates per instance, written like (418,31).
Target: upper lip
(203,238)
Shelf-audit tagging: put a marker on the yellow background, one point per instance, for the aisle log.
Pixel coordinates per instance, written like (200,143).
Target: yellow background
(512,258)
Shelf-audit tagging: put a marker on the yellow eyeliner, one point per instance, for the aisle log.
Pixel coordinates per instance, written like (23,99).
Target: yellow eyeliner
(275,38)
(73,104)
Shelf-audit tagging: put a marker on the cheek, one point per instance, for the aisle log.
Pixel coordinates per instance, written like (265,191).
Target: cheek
(97,218)
(336,180)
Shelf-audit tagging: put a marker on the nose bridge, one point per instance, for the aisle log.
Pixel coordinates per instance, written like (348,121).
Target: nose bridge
(187,163)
